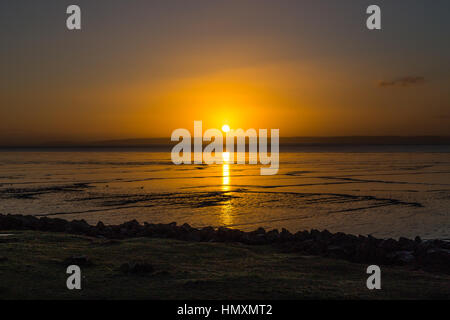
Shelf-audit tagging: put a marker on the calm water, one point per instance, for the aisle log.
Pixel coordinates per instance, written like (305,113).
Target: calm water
(383,194)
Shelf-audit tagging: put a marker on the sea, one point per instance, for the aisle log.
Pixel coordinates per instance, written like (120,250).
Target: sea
(383,191)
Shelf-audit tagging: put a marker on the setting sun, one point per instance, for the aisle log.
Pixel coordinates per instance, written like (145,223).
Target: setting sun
(226,156)
(226,128)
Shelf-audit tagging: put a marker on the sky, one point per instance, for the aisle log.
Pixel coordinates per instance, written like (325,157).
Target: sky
(141,69)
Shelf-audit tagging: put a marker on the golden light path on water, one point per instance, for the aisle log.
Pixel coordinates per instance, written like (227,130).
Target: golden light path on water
(226,215)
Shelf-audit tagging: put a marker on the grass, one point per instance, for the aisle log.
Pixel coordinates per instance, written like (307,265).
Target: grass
(34,269)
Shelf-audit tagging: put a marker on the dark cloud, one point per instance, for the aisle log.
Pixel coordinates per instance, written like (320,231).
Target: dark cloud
(402,82)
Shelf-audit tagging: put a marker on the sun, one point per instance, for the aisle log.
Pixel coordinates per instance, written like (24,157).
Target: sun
(226,128)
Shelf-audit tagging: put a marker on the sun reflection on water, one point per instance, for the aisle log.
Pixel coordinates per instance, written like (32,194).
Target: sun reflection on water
(226,217)
(225,177)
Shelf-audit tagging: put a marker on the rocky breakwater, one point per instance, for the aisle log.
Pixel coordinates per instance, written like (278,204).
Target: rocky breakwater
(429,255)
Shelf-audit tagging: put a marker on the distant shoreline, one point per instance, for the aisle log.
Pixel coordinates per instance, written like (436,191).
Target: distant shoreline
(286,143)
(438,148)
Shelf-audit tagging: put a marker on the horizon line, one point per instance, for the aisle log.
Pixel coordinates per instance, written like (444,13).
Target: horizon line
(301,140)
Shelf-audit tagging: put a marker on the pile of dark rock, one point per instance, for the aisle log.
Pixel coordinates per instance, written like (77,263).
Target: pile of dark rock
(431,255)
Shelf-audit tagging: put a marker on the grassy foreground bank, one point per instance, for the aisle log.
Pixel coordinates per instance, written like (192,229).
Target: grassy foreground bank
(32,266)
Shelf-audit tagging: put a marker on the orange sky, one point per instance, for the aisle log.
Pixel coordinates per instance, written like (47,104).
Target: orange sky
(157,68)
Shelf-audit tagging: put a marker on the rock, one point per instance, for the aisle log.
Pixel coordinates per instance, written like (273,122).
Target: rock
(301,235)
(230,235)
(186,227)
(10,222)
(338,238)
(131,225)
(132,229)
(299,246)
(48,224)
(285,235)
(406,244)
(318,248)
(166,230)
(362,252)
(326,235)
(187,233)
(438,258)
(389,245)
(100,226)
(260,231)
(432,254)
(252,238)
(207,233)
(402,257)
(315,234)
(193,236)
(81,261)
(272,235)
(78,227)
(139,267)
(373,241)
(422,248)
